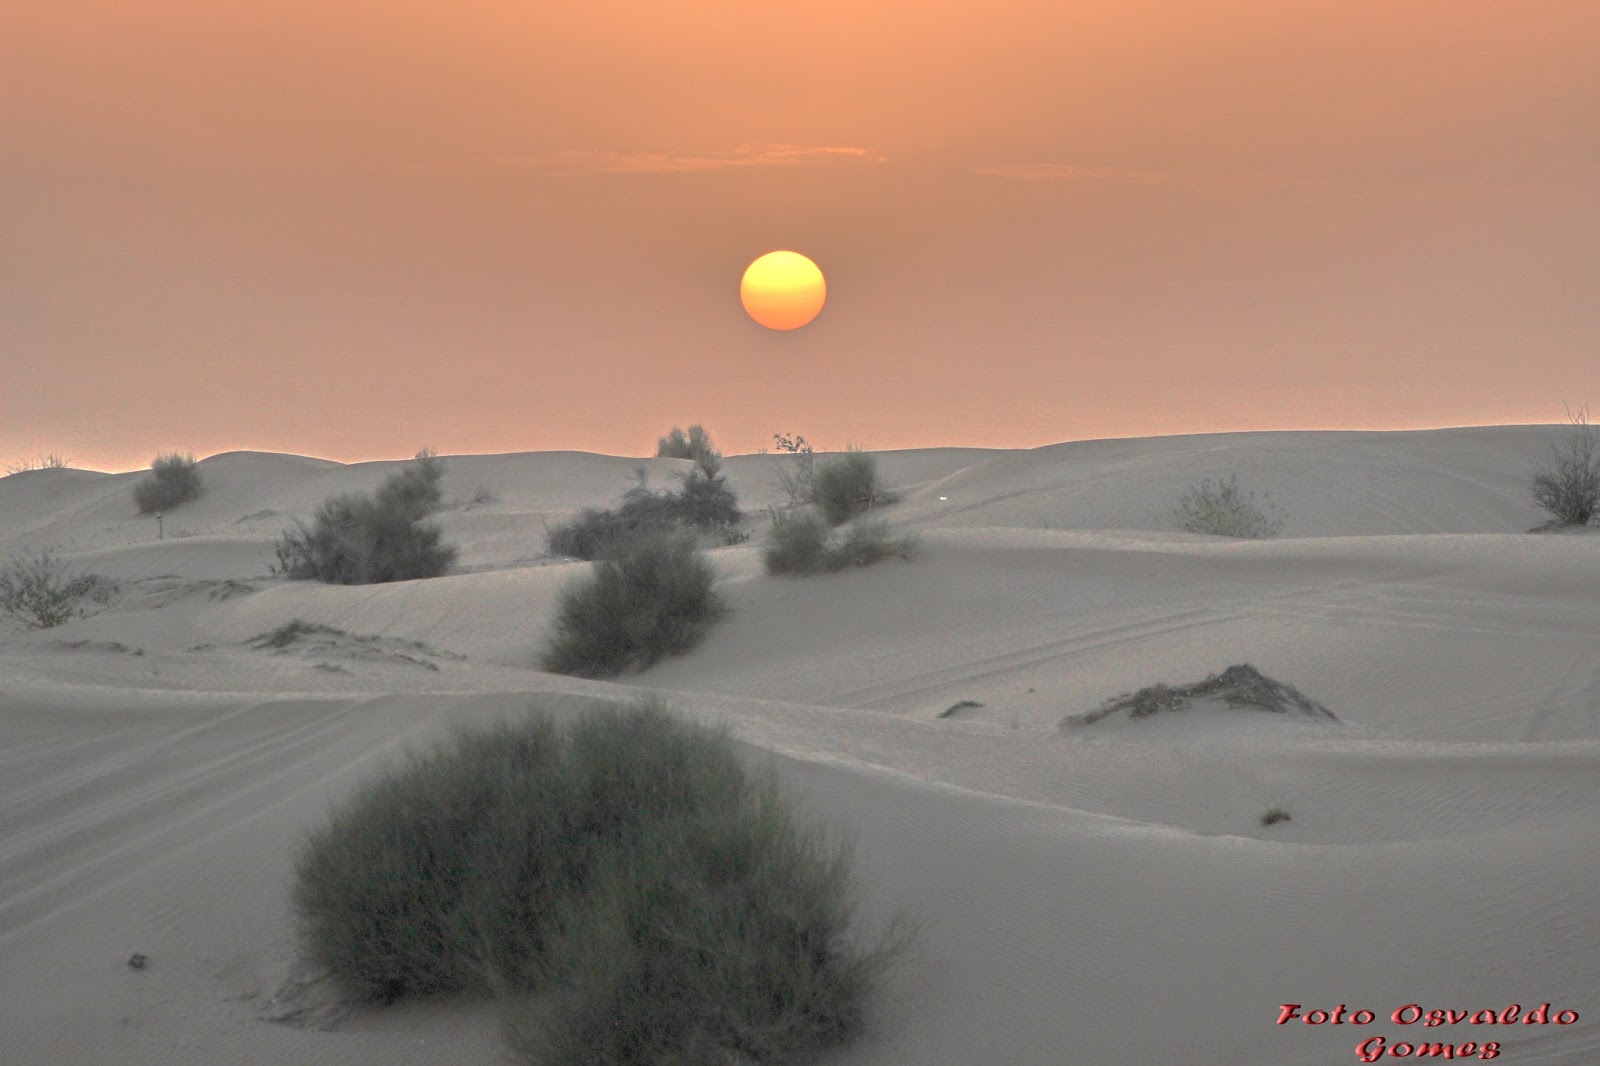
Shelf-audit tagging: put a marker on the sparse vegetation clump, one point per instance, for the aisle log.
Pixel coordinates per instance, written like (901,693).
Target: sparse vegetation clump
(848,485)
(173,480)
(801,543)
(653,597)
(1219,508)
(797,477)
(696,445)
(363,540)
(1274,815)
(38,590)
(48,461)
(704,503)
(1240,685)
(1568,484)
(620,884)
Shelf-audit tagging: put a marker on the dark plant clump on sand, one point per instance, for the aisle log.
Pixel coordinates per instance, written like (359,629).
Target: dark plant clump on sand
(703,503)
(696,445)
(365,540)
(621,885)
(173,480)
(650,599)
(801,543)
(1568,484)
(848,485)
(38,590)
(1219,508)
(1241,685)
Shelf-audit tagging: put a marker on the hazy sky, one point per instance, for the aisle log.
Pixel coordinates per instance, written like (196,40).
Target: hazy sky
(351,229)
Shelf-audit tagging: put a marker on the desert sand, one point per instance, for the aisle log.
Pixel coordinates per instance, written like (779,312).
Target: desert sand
(1104,894)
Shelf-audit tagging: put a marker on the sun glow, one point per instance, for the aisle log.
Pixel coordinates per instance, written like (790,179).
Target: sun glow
(783,290)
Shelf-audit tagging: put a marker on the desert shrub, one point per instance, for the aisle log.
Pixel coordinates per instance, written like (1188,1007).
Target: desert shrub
(1568,485)
(703,503)
(173,480)
(797,543)
(652,598)
(363,540)
(38,590)
(696,444)
(847,485)
(797,477)
(1219,508)
(866,543)
(720,936)
(524,858)
(49,461)
(801,543)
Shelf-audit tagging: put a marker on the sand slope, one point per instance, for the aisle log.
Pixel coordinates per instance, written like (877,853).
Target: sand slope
(1100,895)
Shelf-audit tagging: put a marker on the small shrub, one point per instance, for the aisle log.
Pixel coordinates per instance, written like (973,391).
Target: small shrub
(173,480)
(796,478)
(796,543)
(802,544)
(39,591)
(848,485)
(704,503)
(49,461)
(1568,486)
(695,445)
(653,598)
(364,540)
(621,884)
(1275,815)
(1218,507)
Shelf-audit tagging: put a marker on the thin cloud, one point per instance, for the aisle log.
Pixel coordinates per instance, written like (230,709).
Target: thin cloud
(587,161)
(1077,172)
(1236,182)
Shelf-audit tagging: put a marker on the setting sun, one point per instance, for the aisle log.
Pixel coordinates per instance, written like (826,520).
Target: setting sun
(783,290)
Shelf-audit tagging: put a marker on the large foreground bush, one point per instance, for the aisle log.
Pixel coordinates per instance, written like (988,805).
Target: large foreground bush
(173,480)
(363,540)
(623,886)
(1568,485)
(1219,508)
(38,590)
(651,599)
(848,485)
(801,543)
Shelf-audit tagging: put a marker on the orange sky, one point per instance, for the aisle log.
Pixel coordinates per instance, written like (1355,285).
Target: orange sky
(352,229)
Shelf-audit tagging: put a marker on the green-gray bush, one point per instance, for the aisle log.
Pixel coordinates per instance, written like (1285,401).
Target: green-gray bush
(847,485)
(630,894)
(703,503)
(694,445)
(652,598)
(173,480)
(801,543)
(1218,507)
(363,540)
(38,590)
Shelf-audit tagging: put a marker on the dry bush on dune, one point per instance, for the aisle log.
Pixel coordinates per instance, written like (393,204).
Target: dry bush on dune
(801,543)
(49,461)
(620,884)
(703,503)
(39,591)
(1218,508)
(173,480)
(364,540)
(1568,485)
(652,598)
(696,444)
(848,485)
(797,476)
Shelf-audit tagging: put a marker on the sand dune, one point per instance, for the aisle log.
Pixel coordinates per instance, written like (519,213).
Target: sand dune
(1102,894)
